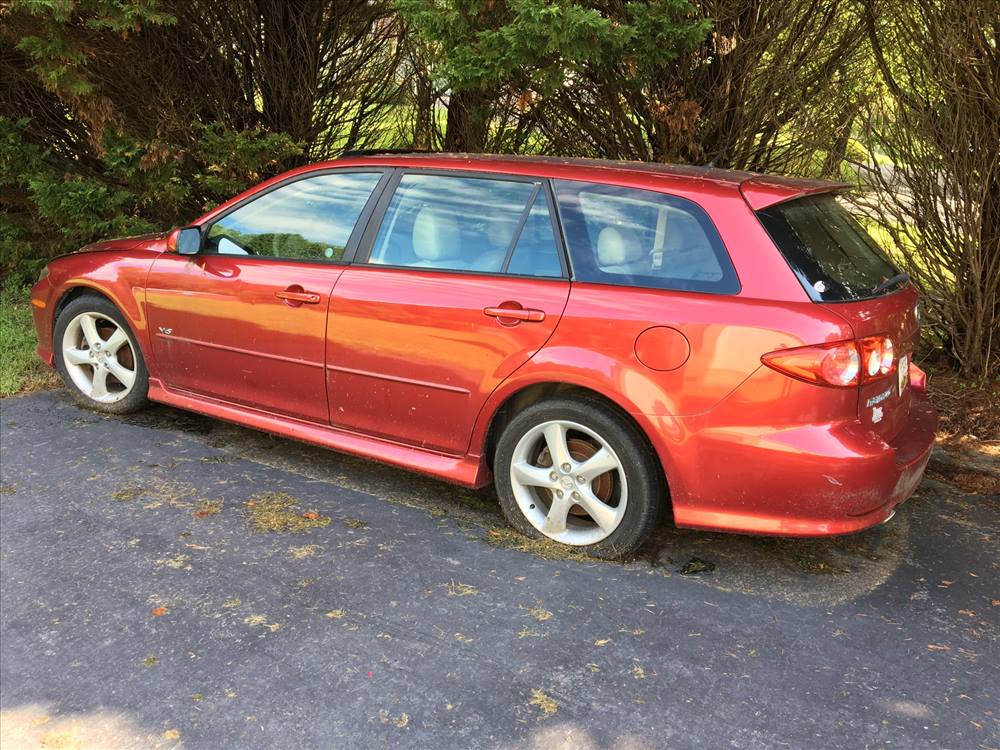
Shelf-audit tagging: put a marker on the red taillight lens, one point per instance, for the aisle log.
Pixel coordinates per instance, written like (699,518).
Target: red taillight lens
(878,357)
(836,364)
(841,363)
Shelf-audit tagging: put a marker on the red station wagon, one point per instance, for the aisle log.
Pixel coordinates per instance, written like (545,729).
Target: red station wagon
(602,340)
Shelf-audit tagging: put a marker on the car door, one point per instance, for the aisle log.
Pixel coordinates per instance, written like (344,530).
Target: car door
(244,320)
(459,281)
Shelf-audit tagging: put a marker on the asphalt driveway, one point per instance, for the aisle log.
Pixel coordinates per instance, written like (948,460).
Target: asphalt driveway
(172,581)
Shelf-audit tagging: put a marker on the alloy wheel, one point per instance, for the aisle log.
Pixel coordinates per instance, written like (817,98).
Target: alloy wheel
(98,356)
(569,483)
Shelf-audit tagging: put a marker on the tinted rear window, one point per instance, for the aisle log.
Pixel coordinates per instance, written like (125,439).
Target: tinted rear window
(619,235)
(834,257)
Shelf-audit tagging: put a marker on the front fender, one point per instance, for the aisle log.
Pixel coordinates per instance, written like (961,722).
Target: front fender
(119,276)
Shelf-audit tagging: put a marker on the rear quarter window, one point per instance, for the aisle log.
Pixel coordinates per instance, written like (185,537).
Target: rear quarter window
(832,255)
(642,238)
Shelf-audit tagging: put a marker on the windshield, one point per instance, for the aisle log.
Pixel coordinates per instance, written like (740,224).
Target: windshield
(834,257)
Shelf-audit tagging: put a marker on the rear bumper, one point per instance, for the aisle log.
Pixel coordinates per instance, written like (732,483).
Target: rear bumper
(813,480)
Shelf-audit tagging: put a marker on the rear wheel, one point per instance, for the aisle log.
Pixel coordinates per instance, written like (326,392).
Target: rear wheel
(98,358)
(577,472)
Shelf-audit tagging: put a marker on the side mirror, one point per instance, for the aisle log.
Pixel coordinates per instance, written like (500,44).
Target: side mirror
(185,241)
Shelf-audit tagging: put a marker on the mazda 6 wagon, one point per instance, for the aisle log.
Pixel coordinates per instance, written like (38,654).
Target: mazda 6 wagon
(604,341)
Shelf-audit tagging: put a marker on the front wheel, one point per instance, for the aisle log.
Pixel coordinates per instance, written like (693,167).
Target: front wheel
(579,473)
(97,356)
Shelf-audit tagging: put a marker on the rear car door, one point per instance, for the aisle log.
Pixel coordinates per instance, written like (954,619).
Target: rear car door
(458,281)
(244,320)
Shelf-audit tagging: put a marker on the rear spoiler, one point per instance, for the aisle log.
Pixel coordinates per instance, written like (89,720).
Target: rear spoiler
(765,191)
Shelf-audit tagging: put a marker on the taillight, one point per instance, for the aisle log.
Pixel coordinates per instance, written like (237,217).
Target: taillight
(841,363)
(825,364)
(877,357)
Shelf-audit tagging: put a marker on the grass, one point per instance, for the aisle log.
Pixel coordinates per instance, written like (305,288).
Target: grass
(278,512)
(20,368)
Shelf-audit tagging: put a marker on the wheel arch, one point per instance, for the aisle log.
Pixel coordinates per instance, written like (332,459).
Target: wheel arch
(518,398)
(80,288)
(75,292)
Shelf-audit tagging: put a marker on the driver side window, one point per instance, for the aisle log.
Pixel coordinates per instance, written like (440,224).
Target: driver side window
(309,219)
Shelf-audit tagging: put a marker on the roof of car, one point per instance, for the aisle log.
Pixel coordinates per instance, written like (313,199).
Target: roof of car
(760,190)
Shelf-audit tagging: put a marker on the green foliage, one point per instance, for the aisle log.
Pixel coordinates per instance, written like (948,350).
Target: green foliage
(138,187)
(539,43)
(232,160)
(20,369)
(16,251)
(57,57)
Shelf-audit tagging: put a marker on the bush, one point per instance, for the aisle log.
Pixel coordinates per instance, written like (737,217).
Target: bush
(135,188)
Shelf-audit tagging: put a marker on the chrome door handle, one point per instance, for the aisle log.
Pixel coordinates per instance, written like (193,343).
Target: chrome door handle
(293,296)
(515,313)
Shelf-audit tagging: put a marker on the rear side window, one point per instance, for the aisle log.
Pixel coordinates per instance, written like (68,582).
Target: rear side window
(620,235)
(834,257)
(468,224)
(308,219)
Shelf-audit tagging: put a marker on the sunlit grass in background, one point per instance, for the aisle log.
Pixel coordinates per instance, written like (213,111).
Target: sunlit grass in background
(20,368)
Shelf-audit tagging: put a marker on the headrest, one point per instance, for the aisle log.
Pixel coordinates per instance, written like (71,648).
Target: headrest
(684,233)
(436,235)
(617,245)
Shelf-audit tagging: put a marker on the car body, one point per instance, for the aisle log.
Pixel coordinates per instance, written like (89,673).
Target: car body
(419,357)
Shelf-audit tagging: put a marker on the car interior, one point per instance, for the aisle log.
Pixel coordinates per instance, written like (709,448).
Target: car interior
(421,234)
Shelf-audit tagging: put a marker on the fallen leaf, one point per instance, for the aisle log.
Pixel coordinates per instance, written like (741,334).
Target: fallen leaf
(160,611)
(208,508)
(171,734)
(937,647)
(460,589)
(602,641)
(544,702)
(402,721)
(335,614)
(310,515)
(540,614)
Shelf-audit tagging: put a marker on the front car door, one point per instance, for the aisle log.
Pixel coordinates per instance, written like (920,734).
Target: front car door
(459,281)
(244,321)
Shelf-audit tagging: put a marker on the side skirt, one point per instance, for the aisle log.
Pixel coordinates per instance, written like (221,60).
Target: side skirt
(468,471)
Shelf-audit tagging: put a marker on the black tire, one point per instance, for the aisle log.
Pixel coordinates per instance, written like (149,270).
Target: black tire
(647,496)
(136,398)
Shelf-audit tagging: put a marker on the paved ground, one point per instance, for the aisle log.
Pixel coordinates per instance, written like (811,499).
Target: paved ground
(140,609)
